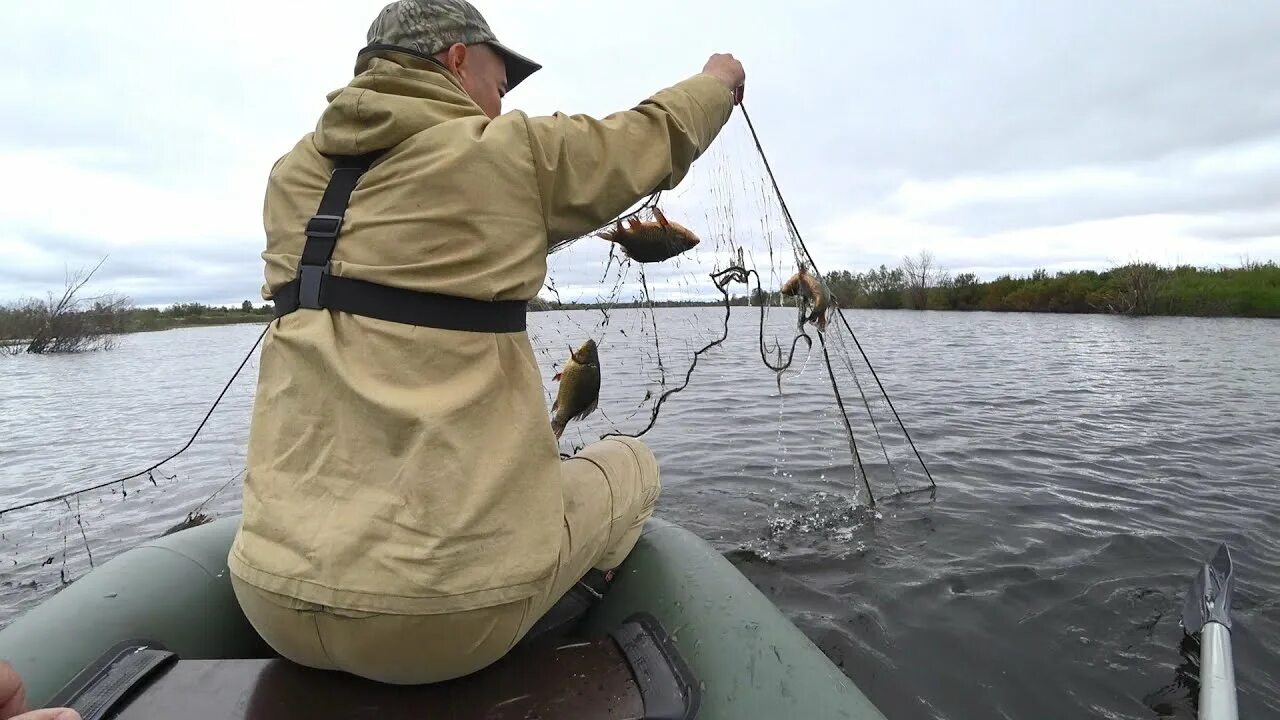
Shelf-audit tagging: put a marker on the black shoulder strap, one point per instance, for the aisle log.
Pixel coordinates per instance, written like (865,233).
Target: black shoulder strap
(323,227)
(315,288)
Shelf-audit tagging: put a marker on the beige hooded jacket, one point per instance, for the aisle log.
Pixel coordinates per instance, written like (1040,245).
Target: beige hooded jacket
(403,469)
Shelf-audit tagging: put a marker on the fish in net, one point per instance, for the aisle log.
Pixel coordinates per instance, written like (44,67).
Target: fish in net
(710,284)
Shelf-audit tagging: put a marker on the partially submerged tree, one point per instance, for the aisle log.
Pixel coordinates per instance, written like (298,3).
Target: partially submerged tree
(68,323)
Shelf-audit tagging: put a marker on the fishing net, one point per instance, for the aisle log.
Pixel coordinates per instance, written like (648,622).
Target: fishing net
(702,355)
(748,294)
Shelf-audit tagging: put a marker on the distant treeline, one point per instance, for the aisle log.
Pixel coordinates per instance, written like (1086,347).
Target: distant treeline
(193,314)
(71,324)
(1251,290)
(540,304)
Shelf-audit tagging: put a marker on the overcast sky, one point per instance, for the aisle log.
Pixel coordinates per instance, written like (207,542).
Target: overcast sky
(1003,136)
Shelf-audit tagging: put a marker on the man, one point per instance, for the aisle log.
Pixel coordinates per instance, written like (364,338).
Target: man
(407,517)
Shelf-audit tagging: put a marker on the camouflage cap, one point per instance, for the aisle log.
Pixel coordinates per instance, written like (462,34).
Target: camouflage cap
(425,27)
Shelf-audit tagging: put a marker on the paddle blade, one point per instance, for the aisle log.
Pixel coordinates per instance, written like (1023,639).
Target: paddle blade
(1209,597)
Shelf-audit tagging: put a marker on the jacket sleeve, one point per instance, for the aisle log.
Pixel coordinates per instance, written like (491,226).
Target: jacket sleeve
(590,171)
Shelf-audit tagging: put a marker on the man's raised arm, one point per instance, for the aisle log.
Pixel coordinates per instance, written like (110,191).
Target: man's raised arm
(589,170)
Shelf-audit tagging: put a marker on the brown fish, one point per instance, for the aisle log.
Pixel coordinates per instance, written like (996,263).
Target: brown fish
(647,241)
(579,387)
(804,285)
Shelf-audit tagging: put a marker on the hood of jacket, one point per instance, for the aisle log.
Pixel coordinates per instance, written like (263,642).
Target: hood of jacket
(392,97)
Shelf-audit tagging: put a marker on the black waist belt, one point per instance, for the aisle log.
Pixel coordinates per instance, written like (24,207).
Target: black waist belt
(316,288)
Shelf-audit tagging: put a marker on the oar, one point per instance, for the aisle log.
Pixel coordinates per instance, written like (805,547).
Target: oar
(1207,613)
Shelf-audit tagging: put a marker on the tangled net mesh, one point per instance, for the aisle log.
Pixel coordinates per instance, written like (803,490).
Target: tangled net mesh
(681,336)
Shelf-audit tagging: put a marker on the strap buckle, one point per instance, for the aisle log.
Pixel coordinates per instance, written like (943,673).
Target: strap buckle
(324,226)
(309,282)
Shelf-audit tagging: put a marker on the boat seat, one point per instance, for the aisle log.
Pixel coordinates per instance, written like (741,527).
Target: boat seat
(634,673)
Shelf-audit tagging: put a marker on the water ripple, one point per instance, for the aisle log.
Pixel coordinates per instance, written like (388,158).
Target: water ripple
(1085,466)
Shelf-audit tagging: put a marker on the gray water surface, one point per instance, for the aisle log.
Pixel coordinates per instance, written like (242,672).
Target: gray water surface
(1085,466)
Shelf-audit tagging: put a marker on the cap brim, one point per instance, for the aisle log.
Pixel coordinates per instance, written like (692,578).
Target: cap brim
(519,67)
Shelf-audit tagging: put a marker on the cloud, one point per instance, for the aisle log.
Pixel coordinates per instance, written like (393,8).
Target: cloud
(1004,136)
(1227,179)
(1240,226)
(869,240)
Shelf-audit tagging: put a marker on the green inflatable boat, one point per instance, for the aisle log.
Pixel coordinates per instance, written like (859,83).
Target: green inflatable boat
(156,633)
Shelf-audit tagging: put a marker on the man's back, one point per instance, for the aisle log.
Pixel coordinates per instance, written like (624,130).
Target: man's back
(403,469)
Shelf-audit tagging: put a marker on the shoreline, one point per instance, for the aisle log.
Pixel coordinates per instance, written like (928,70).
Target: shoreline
(178,324)
(1250,291)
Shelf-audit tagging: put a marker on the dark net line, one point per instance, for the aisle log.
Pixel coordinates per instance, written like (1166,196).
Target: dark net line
(844,357)
(721,279)
(804,259)
(148,470)
(844,416)
(741,274)
(799,240)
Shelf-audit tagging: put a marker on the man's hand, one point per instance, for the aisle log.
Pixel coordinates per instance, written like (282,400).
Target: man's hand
(13,700)
(729,71)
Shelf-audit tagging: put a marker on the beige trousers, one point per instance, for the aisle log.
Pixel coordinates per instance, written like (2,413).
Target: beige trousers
(610,489)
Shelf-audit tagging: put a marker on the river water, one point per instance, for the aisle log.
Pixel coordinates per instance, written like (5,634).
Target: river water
(1085,465)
